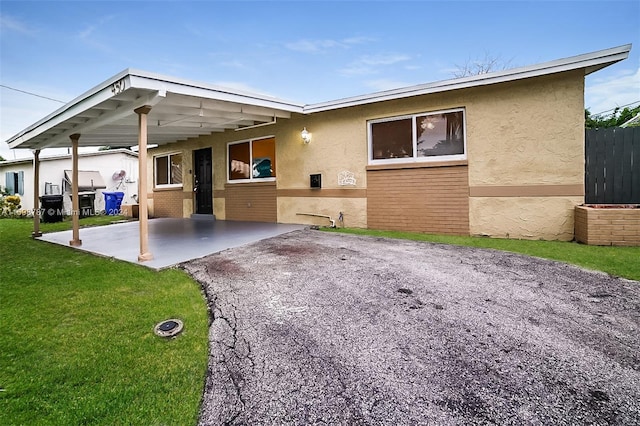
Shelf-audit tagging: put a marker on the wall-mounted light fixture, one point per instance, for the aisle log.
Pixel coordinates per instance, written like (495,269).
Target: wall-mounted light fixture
(306,136)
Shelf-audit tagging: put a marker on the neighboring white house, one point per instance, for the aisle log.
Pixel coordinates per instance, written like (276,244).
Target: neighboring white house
(112,170)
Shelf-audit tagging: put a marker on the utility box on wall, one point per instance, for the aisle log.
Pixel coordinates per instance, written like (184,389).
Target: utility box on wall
(315,181)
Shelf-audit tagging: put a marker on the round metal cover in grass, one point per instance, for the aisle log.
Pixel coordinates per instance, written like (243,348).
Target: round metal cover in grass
(169,328)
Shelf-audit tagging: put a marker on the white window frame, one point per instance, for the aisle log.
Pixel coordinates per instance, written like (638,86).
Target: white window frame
(155,170)
(414,142)
(251,178)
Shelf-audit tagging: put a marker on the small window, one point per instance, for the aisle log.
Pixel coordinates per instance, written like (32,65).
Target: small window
(420,137)
(168,170)
(14,183)
(252,160)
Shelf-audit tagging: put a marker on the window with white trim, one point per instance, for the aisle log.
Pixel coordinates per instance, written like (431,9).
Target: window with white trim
(432,136)
(252,160)
(14,183)
(168,170)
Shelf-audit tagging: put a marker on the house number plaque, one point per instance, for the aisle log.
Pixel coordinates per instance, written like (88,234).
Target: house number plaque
(118,87)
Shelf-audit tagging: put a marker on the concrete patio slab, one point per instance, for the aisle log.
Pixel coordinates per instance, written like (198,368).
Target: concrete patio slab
(171,241)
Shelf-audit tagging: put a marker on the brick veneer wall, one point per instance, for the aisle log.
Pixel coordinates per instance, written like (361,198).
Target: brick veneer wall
(431,199)
(607,226)
(255,202)
(167,203)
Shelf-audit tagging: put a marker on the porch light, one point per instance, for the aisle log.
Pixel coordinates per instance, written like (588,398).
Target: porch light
(306,136)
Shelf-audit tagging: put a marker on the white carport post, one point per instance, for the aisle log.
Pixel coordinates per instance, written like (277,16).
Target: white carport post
(36,194)
(142,182)
(75,200)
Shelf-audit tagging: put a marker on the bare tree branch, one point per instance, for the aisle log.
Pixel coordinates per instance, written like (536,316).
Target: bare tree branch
(487,64)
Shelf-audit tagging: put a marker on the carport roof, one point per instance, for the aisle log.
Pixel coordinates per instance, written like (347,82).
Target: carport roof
(182,109)
(104,115)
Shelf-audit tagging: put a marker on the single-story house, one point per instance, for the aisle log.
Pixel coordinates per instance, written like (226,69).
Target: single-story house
(498,154)
(113,170)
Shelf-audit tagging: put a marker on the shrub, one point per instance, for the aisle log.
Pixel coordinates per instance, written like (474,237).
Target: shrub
(9,205)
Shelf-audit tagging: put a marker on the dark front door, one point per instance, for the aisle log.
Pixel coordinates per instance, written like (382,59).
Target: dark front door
(202,183)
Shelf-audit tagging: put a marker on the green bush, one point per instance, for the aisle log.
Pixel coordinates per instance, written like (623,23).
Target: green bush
(9,205)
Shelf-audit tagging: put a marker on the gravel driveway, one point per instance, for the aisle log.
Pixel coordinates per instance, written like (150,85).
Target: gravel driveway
(321,328)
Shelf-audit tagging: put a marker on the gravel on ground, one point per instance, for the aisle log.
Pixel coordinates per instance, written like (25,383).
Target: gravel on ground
(322,328)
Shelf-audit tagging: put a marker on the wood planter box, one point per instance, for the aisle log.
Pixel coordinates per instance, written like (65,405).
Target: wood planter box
(608,225)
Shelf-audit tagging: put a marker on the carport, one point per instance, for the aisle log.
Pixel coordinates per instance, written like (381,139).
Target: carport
(141,108)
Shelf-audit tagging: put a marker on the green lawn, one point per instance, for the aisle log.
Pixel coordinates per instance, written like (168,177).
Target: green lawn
(77,343)
(618,261)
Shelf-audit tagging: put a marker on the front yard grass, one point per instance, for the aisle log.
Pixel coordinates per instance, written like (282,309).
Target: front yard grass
(618,261)
(77,343)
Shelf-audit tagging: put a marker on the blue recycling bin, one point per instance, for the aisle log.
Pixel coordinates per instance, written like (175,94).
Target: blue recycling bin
(112,202)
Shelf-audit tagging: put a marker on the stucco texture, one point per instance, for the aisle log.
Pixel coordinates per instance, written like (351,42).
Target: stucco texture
(527,132)
(531,135)
(520,135)
(354,211)
(545,218)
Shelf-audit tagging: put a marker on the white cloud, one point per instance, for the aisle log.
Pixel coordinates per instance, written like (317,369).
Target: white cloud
(383,84)
(605,93)
(242,87)
(323,46)
(8,23)
(312,46)
(91,34)
(235,64)
(369,64)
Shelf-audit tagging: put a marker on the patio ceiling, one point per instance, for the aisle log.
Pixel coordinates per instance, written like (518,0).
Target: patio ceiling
(104,116)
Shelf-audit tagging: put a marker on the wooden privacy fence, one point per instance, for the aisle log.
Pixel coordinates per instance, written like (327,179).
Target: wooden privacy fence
(612,166)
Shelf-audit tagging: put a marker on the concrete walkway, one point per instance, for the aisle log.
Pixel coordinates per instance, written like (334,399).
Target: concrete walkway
(171,241)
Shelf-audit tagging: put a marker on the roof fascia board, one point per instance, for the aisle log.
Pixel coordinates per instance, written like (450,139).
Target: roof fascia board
(144,80)
(120,112)
(590,62)
(68,156)
(90,98)
(73,108)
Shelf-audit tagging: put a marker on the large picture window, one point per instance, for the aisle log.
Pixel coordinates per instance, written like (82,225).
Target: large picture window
(168,170)
(252,160)
(430,136)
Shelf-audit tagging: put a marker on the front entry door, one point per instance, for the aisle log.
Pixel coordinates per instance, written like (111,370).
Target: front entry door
(202,181)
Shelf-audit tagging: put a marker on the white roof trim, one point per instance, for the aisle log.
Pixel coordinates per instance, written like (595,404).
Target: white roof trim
(633,120)
(68,156)
(186,109)
(590,62)
(129,90)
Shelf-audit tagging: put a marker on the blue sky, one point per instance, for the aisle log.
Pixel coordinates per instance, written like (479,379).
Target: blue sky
(303,51)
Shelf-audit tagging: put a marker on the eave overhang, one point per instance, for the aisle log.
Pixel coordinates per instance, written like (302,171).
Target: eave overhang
(181,109)
(589,62)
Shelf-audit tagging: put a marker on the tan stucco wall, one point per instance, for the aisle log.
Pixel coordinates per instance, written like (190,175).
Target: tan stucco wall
(538,125)
(546,218)
(338,144)
(520,135)
(354,211)
(527,132)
